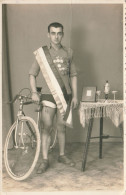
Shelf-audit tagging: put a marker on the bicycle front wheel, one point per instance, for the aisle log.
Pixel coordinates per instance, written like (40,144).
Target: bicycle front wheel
(22,147)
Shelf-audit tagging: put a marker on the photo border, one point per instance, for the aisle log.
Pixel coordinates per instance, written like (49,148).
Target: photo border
(124,88)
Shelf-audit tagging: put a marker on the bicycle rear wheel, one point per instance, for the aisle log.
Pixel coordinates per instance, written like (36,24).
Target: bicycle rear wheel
(22,147)
(53,138)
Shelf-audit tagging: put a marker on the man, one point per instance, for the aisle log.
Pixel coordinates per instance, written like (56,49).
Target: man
(59,84)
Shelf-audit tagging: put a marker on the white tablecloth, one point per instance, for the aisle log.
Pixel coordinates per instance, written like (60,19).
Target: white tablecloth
(110,108)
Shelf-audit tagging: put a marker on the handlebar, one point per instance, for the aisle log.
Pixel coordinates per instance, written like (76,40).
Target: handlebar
(26,100)
(21,97)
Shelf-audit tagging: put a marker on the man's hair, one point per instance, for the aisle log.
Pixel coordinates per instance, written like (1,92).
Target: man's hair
(56,25)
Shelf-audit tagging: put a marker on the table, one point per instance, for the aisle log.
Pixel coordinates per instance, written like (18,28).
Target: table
(104,108)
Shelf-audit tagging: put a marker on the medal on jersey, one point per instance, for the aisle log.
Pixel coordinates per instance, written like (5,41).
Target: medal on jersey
(60,63)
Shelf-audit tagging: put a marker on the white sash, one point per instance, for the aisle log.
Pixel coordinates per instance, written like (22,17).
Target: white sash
(52,84)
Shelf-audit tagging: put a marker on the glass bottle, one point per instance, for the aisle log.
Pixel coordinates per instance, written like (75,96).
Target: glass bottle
(106,89)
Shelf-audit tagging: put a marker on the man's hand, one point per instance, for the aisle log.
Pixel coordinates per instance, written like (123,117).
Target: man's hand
(74,103)
(35,97)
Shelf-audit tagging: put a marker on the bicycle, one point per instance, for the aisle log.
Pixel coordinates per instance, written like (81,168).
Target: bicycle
(22,144)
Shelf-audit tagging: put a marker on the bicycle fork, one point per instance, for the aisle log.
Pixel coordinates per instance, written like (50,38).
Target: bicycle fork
(20,134)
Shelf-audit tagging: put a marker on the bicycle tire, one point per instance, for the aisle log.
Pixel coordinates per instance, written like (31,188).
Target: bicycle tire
(28,144)
(53,138)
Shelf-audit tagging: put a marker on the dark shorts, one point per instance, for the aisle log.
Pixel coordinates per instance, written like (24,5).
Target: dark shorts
(48,100)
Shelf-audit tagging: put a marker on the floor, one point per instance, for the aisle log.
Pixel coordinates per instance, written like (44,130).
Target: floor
(100,174)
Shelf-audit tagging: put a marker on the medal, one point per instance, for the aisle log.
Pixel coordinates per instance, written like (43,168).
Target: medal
(59,65)
(62,65)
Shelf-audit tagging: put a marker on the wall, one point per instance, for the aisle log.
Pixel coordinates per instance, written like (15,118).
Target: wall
(93,31)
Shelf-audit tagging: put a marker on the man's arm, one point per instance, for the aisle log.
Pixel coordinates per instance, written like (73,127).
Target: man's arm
(74,102)
(35,96)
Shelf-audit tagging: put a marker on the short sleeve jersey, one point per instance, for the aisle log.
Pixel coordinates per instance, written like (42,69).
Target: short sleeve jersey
(63,60)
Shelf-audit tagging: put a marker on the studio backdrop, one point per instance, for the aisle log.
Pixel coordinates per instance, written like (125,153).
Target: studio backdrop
(94,32)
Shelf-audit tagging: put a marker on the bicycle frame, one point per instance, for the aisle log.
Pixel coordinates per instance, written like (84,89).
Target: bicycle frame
(39,125)
(19,115)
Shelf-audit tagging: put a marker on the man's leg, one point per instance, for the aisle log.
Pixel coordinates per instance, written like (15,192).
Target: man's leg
(61,139)
(48,114)
(61,133)
(47,120)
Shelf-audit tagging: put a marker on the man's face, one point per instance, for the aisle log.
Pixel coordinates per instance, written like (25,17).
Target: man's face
(55,35)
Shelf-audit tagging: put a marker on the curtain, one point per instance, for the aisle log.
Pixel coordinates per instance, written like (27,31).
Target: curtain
(7,109)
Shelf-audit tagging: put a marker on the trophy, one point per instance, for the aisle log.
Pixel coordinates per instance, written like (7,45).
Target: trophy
(114,93)
(98,94)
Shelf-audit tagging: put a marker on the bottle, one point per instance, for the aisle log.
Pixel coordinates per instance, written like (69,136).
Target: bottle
(106,89)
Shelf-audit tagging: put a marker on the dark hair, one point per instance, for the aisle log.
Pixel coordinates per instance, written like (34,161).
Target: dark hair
(56,25)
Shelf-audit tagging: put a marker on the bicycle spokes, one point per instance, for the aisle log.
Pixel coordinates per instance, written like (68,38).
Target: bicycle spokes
(23,135)
(21,156)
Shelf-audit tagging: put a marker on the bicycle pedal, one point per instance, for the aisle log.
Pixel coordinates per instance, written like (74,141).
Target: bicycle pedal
(16,147)
(22,148)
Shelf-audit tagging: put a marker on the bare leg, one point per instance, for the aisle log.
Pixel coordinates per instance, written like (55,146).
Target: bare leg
(61,133)
(62,138)
(47,120)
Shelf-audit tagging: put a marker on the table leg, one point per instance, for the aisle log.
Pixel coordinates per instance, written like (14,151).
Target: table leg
(101,134)
(121,130)
(87,142)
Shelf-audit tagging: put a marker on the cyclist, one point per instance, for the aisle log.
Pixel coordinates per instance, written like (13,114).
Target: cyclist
(59,90)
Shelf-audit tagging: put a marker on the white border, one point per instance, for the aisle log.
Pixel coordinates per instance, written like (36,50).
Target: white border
(1,98)
(62,1)
(124,87)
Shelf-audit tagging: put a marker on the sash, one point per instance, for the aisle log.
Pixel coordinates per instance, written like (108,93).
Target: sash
(55,83)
